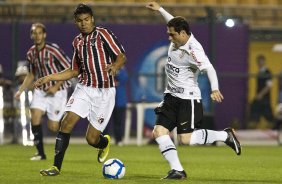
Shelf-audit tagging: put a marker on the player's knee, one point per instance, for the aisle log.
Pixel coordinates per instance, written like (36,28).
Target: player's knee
(159,131)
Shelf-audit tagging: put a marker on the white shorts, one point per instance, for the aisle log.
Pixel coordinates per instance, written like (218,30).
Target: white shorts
(54,105)
(96,104)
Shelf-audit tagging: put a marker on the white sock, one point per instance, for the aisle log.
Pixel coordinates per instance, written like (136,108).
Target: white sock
(204,136)
(169,152)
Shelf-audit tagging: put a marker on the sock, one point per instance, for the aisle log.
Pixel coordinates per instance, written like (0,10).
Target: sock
(204,136)
(103,142)
(62,142)
(169,152)
(38,138)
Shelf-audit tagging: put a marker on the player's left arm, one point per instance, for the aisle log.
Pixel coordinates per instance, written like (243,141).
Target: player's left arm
(156,7)
(115,50)
(216,94)
(117,65)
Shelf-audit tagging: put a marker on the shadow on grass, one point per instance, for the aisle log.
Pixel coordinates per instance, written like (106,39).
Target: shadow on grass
(209,180)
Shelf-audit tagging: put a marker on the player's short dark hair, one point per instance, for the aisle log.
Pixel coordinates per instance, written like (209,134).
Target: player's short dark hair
(179,24)
(260,57)
(37,24)
(81,9)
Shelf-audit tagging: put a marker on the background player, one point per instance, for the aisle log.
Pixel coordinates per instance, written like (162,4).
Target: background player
(45,59)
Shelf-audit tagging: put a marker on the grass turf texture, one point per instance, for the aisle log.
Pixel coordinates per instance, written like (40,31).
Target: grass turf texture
(145,164)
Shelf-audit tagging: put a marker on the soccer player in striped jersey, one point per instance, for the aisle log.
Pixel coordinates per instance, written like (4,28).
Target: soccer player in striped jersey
(97,58)
(45,59)
(182,106)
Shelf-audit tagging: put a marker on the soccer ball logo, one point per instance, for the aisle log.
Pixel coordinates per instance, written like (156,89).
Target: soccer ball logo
(113,169)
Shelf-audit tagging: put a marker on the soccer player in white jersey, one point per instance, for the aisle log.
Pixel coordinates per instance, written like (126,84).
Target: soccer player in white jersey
(182,106)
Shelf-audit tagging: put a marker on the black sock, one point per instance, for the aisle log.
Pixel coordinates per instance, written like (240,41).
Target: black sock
(103,142)
(62,142)
(38,138)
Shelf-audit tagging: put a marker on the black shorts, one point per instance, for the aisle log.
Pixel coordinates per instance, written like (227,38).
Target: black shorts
(184,114)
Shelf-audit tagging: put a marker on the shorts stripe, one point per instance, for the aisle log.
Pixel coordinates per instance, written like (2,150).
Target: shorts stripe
(206,136)
(192,114)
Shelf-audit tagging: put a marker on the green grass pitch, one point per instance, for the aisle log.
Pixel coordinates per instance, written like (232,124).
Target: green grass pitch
(209,164)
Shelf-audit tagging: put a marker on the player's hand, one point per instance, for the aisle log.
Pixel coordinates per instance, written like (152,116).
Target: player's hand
(52,90)
(112,69)
(153,6)
(217,96)
(17,95)
(41,81)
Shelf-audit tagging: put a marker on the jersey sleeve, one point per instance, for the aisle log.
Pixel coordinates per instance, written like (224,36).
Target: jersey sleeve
(62,58)
(31,67)
(200,59)
(167,16)
(111,42)
(74,62)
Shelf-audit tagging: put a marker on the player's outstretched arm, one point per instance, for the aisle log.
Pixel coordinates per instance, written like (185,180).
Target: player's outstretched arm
(156,7)
(27,82)
(62,76)
(153,6)
(216,94)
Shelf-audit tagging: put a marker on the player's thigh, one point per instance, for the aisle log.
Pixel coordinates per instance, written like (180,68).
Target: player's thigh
(189,116)
(102,105)
(166,114)
(56,105)
(36,115)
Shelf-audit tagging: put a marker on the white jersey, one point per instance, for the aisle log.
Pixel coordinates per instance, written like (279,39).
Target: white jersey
(183,67)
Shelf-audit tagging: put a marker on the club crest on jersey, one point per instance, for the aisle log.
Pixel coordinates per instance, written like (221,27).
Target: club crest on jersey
(181,55)
(100,120)
(92,41)
(70,102)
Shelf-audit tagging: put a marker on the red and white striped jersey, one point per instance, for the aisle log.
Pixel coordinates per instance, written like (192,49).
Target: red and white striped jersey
(92,53)
(50,59)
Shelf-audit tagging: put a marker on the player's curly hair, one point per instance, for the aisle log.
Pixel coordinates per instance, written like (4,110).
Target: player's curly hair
(179,24)
(82,8)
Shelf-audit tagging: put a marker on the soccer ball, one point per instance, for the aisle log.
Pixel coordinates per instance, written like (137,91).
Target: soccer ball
(113,169)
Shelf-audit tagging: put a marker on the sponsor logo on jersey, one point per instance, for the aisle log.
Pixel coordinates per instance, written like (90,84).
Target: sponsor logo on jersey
(175,89)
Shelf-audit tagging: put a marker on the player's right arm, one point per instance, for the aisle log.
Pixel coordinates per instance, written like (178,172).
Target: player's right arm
(156,7)
(26,83)
(61,76)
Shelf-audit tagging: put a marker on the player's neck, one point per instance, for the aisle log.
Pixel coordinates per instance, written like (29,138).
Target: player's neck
(40,46)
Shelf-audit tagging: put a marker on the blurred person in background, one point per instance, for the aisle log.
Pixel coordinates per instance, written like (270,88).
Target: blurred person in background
(43,59)
(8,111)
(97,58)
(22,122)
(261,105)
(3,81)
(182,104)
(119,111)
